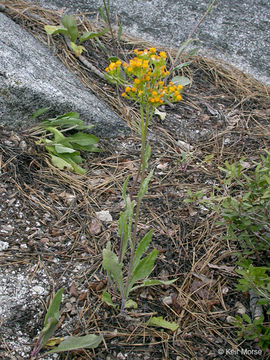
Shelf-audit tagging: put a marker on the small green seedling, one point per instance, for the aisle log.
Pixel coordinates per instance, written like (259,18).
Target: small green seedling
(51,320)
(69,29)
(64,150)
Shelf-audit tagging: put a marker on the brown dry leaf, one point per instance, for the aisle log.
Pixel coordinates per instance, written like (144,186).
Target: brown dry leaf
(73,290)
(95,227)
(97,285)
(82,297)
(198,287)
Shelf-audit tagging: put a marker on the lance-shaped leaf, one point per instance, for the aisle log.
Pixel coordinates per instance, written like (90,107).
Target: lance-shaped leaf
(106,297)
(160,322)
(110,263)
(70,23)
(52,317)
(52,30)
(181,80)
(78,49)
(83,139)
(90,35)
(125,225)
(143,269)
(74,343)
(141,248)
(147,155)
(144,186)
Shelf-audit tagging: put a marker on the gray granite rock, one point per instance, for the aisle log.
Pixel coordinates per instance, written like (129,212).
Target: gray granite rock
(235,31)
(32,78)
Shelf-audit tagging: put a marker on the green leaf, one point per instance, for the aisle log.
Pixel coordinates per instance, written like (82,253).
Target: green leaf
(181,80)
(83,139)
(90,35)
(143,269)
(119,33)
(184,64)
(184,45)
(141,248)
(52,30)
(60,163)
(39,112)
(246,318)
(78,49)
(259,320)
(144,186)
(110,264)
(54,306)
(60,149)
(52,316)
(58,136)
(89,341)
(69,22)
(106,298)
(160,322)
(130,304)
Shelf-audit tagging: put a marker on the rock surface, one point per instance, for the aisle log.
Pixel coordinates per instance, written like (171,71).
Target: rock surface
(32,78)
(235,31)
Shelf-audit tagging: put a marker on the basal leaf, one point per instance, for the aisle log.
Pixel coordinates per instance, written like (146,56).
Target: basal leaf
(160,322)
(74,343)
(69,22)
(83,139)
(58,136)
(110,264)
(90,35)
(184,64)
(60,163)
(60,149)
(107,299)
(52,30)
(181,80)
(52,316)
(78,49)
(54,306)
(130,304)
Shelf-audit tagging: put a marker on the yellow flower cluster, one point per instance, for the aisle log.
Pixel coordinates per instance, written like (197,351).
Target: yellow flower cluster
(144,74)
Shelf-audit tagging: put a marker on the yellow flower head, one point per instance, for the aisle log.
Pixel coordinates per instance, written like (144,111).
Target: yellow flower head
(163,55)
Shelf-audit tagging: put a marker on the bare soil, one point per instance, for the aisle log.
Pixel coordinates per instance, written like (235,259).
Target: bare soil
(51,235)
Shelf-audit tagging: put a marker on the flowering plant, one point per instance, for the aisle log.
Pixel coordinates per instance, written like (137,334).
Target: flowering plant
(144,81)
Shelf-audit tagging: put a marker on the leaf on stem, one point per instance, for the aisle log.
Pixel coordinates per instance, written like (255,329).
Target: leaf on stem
(110,263)
(144,186)
(141,248)
(143,269)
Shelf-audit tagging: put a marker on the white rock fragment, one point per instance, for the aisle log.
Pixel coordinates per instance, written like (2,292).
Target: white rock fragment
(184,146)
(4,245)
(38,289)
(104,215)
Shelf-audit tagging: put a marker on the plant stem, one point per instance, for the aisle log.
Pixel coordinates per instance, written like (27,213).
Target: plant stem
(142,167)
(209,8)
(110,27)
